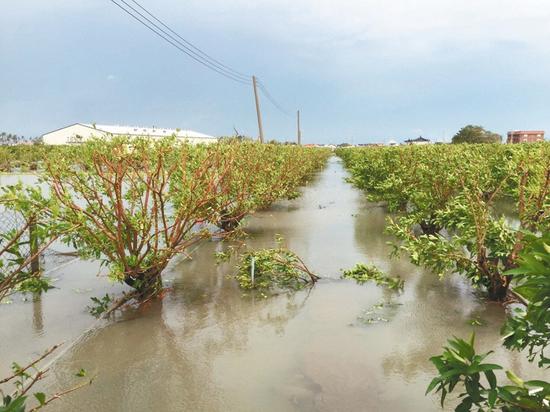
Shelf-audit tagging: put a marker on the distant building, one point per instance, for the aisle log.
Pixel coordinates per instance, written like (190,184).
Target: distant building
(418,140)
(80,132)
(525,136)
(369,144)
(392,143)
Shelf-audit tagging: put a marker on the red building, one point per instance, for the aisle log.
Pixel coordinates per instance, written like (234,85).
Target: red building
(525,136)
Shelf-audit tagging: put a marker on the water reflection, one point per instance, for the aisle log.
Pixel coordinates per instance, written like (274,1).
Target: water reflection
(206,347)
(37,314)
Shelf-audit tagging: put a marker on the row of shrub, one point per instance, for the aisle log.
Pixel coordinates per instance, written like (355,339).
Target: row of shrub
(134,204)
(482,211)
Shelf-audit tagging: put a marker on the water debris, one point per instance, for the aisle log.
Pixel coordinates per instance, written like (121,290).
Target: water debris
(81,291)
(476,322)
(382,312)
(100,305)
(363,273)
(273,269)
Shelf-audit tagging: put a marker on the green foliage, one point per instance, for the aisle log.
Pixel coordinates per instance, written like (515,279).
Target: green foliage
(529,328)
(29,158)
(135,203)
(36,224)
(362,273)
(476,322)
(445,203)
(273,270)
(17,398)
(476,134)
(259,174)
(460,366)
(100,305)
(81,373)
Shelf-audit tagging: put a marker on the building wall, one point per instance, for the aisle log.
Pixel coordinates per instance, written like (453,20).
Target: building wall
(525,136)
(78,133)
(71,135)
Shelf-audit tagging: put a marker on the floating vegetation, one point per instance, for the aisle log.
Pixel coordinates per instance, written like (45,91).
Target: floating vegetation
(100,305)
(272,269)
(362,273)
(382,312)
(476,322)
(81,291)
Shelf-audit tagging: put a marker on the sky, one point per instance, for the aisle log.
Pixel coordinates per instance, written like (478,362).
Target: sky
(359,70)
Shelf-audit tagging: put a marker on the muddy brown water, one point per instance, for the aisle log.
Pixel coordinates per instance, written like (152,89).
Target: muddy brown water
(206,347)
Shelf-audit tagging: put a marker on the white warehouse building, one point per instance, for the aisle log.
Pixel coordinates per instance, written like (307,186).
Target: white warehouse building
(80,132)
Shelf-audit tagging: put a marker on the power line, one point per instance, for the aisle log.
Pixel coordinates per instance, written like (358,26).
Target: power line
(176,43)
(274,102)
(192,51)
(201,52)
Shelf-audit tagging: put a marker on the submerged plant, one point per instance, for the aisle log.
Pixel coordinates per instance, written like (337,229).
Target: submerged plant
(17,398)
(459,366)
(270,269)
(100,305)
(137,203)
(445,201)
(362,273)
(381,312)
(34,227)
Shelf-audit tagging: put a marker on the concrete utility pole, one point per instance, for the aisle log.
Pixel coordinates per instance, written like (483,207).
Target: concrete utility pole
(260,128)
(299,130)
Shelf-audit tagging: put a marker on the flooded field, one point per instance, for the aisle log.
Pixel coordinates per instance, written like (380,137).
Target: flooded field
(206,347)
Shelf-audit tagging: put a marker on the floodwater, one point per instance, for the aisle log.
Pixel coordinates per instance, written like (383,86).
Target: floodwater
(206,347)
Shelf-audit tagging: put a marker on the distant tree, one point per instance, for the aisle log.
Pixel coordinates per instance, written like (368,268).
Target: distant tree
(10,139)
(476,134)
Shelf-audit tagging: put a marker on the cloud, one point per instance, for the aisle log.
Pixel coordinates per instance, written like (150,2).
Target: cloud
(403,26)
(111,77)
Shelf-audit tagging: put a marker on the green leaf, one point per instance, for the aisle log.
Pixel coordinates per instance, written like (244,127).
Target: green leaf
(492,397)
(514,378)
(433,384)
(491,378)
(41,397)
(81,373)
(17,405)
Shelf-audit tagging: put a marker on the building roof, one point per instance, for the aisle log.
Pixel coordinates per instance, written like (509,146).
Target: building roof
(140,131)
(418,139)
(147,131)
(526,132)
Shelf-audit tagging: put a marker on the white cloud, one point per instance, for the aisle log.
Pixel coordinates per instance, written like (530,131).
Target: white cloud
(111,77)
(410,26)
(388,27)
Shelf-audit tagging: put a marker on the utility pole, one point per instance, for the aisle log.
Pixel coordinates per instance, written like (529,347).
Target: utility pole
(261,130)
(299,131)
